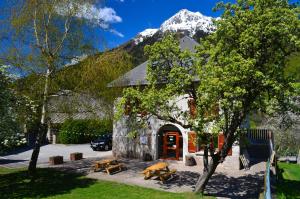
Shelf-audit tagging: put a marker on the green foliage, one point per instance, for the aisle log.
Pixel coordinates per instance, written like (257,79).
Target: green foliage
(99,70)
(83,131)
(288,183)
(242,64)
(293,67)
(89,77)
(287,143)
(240,68)
(15,110)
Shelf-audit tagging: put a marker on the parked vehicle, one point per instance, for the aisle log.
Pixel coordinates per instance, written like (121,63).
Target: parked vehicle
(103,142)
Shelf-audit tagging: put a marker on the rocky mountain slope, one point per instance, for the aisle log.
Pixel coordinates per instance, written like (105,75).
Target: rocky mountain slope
(185,22)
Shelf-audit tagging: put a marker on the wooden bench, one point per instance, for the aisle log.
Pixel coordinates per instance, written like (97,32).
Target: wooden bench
(165,176)
(103,164)
(114,168)
(109,165)
(161,170)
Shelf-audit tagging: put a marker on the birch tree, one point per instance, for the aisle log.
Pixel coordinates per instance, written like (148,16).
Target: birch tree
(44,35)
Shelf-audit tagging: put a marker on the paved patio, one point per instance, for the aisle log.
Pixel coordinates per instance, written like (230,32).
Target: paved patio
(21,157)
(225,183)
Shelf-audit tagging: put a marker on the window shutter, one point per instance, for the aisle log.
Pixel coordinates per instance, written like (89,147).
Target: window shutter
(221,140)
(192,142)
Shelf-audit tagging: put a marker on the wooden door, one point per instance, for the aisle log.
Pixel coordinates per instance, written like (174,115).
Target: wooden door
(192,142)
(221,140)
(171,145)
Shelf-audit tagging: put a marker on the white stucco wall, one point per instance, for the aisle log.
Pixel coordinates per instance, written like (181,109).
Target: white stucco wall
(132,148)
(128,147)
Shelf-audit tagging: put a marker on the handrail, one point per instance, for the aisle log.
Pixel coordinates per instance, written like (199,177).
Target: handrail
(267,184)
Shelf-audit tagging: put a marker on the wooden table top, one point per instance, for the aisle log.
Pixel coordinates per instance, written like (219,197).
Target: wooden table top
(157,166)
(106,161)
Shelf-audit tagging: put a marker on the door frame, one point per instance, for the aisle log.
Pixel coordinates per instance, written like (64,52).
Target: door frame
(166,148)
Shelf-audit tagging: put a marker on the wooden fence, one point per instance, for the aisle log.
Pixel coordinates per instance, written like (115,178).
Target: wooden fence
(259,134)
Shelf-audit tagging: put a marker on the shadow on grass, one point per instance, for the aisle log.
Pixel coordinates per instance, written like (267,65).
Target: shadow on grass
(286,188)
(49,182)
(9,161)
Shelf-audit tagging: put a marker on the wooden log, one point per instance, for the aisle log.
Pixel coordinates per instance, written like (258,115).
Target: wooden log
(75,156)
(190,161)
(54,160)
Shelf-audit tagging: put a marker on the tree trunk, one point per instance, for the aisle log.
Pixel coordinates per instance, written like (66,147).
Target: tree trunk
(217,158)
(207,173)
(41,133)
(205,159)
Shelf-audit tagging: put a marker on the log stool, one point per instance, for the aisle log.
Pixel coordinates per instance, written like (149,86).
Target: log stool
(54,160)
(75,156)
(190,161)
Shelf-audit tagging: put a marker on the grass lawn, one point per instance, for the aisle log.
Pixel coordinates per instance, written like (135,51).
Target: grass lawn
(50,183)
(288,185)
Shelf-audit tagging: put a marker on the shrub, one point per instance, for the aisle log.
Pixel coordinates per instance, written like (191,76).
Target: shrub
(12,142)
(287,143)
(83,131)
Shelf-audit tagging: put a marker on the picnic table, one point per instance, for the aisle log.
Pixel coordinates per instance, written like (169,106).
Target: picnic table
(160,169)
(108,165)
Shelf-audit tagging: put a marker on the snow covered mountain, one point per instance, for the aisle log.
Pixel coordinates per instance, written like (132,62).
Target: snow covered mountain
(146,33)
(184,21)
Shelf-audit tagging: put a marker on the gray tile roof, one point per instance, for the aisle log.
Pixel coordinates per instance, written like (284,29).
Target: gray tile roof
(67,104)
(137,76)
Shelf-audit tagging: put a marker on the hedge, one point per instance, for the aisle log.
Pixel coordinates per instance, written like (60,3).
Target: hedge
(83,131)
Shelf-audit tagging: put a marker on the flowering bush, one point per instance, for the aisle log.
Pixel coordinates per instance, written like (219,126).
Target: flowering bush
(15,110)
(12,142)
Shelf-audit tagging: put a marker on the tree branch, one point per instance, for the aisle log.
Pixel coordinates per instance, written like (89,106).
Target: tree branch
(35,27)
(172,120)
(67,28)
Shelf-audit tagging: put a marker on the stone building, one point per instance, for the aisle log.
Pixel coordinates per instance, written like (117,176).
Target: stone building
(161,139)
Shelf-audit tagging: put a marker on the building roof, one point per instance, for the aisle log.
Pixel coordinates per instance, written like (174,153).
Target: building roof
(67,104)
(137,76)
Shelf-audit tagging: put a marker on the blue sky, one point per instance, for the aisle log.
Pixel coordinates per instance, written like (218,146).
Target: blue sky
(138,15)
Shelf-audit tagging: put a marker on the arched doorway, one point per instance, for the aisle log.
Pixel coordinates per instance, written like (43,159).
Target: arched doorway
(170,143)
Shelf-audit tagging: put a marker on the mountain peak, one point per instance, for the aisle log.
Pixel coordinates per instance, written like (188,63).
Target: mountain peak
(184,21)
(188,21)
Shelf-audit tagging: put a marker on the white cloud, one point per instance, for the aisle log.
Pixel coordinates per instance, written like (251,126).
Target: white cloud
(102,17)
(99,16)
(116,32)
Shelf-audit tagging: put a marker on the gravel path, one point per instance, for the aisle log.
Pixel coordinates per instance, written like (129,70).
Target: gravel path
(21,157)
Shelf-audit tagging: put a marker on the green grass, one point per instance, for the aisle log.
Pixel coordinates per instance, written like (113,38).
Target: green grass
(288,185)
(50,183)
